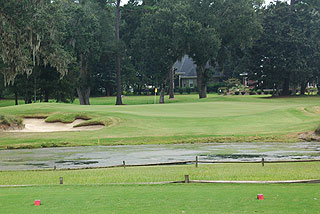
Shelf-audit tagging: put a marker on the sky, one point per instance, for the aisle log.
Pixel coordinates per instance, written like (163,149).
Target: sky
(267,1)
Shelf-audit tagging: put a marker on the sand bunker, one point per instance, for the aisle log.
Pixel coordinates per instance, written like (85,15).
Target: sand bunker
(39,125)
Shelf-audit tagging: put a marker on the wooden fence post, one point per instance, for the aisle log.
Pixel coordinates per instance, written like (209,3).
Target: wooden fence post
(54,167)
(262,162)
(61,180)
(124,164)
(196,161)
(186,179)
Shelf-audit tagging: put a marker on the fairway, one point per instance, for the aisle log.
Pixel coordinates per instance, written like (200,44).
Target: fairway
(104,191)
(134,175)
(218,118)
(175,198)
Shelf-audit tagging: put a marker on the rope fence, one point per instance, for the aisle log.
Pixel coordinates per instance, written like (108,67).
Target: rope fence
(196,162)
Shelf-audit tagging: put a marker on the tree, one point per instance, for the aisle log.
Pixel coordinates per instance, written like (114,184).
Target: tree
(103,75)
(119,86)
(30,35)
(159,43)
(82,36)
(288,50)
(216,28)
(131,15)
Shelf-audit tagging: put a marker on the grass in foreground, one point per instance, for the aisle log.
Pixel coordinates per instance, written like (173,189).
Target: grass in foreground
(252,172)
(179,198)
(215,119)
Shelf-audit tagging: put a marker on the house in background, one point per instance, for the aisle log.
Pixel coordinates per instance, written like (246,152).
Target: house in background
(186,73)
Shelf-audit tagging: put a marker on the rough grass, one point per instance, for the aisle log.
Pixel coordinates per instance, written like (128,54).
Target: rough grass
(178,198)
(93,122)
(239,172)
(215,119)
(9,121)
(66,117)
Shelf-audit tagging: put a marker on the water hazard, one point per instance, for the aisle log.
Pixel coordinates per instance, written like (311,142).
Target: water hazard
(78,157)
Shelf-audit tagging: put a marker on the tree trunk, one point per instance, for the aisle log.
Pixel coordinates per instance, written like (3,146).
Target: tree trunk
(119,88)
(35,88)
(46,96)
(202,87)
(161,101)
(278,90)
(285,87)
(83,90)
(84,94)
(171,87)
(108,92)
(294,90)
(16,98)
(303,87)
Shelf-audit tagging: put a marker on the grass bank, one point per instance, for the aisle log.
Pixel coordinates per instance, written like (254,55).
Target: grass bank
(186,120)
(179,198)
(10,122)
(238,172)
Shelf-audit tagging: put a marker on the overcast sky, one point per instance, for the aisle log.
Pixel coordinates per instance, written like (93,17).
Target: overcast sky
(267,1)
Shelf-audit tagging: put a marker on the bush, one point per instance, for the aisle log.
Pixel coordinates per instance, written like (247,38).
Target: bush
(252,93)
(259,91)
(195,89)
(222,90)
(243,92)
(237,93)
(180,90)
(233,82)
(266,92)
(215,86)
(188,90)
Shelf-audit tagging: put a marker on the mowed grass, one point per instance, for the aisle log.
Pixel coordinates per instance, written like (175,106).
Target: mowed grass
(173,198)
(9,102)
(215,119)
(238,172)
(91,191)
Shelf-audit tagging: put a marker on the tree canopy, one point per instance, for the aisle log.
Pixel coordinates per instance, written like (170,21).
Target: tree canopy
(96,47)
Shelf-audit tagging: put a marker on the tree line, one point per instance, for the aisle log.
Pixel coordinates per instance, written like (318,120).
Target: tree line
(60,49)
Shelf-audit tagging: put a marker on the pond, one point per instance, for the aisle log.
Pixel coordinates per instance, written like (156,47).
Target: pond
(79,157)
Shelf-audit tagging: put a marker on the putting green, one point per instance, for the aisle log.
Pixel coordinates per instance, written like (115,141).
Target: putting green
(218,118)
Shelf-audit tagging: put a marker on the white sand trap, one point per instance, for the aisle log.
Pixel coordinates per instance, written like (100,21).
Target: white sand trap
(39,125)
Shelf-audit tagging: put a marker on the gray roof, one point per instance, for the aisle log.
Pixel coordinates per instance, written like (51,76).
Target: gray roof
(186,67)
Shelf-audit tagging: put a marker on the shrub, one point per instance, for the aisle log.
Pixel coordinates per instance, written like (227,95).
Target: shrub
(222,90)
(266,92)
(195,89)
(180,90)
(237,93)
(259,91)
(233,82)
(252,93)
(188,90)
(243,92)
(215,86)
